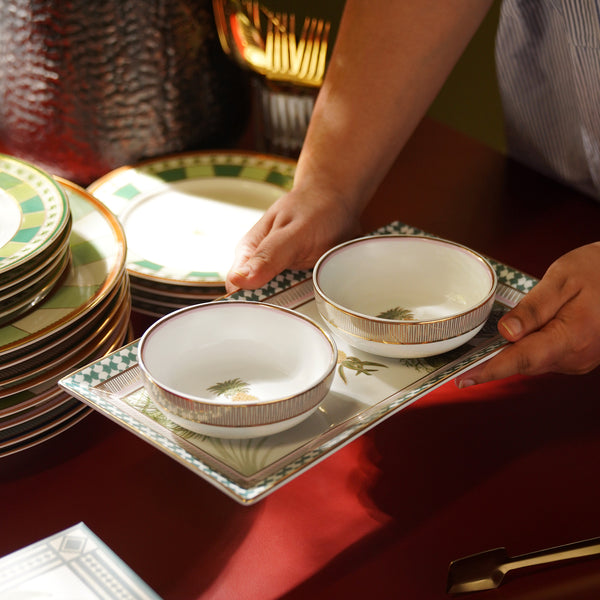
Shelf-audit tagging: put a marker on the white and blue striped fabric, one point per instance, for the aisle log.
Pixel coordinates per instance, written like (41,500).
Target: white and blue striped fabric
(548,67)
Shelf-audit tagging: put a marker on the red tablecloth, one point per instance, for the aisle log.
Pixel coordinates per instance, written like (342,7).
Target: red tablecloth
(511,463)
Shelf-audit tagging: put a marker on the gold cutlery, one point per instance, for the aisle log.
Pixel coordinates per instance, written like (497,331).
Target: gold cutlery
(299,62)
(486,570)
(275,54)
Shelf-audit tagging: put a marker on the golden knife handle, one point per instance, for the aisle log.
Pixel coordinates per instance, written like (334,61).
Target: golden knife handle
(582,549)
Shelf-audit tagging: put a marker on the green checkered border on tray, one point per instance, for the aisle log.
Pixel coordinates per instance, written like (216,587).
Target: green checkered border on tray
(86,380)
(112,365)
(43,204)
(506,275)
(85,384)
(106,367)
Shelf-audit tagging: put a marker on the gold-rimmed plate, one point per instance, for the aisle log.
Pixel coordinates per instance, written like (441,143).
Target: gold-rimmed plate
(35,211)
(184,214)
(102,340)
(98,250)
(41,428)
(51,347)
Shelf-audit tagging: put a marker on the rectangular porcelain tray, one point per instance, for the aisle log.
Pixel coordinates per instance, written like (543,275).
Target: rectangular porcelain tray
(73,563)
(366,390)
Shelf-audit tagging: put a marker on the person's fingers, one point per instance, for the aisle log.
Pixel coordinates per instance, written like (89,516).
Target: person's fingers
(245,249)
(533,354)
(562,346)
(539,306)
(555,328)
(292,234)
(257,266)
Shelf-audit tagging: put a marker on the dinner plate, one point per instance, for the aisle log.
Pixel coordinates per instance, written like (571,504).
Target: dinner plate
(33,294)
(176,294)
(45,262)
(160,302)
(49,426)
(184,214)
(43,415)
(36,280)
(85,317)
(366,390)
(8,423)
(171,302)
(98,249)
(56,427)
(35,211)
(49,370)
(26,428)
(42,354)
(15,403)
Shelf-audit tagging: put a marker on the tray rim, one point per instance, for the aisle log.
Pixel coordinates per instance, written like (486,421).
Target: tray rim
(513,285)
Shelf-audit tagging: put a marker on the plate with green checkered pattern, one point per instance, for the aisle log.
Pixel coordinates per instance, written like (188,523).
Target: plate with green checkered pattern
(184,214)
(35,213)
(365,391)
(97,266)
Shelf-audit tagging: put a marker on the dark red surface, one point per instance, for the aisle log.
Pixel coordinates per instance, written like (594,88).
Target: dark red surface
(512,463)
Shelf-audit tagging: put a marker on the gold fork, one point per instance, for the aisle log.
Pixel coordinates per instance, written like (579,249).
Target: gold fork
(278,55)
(301,62)
(313,62)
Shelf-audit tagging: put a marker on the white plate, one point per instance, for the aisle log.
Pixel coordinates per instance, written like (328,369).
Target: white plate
(74,416)
(34,211)
(98,250)
(44,263)
(49,369)
(184,214)
(51,347)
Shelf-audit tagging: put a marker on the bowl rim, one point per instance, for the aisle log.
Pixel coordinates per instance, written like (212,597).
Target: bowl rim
(403,322)
(327,372)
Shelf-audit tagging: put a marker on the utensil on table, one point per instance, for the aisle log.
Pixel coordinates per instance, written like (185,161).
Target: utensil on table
(486,570)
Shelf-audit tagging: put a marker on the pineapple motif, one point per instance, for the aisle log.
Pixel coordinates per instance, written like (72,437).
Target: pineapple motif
(355,364)
(397,314)
(234,389)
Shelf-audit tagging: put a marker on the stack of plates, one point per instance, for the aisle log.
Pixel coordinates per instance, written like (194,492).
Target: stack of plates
(85,317)
(35,226)
(183,216)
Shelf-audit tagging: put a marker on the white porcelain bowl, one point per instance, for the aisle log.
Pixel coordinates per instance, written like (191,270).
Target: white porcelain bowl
(237,369)
(404,296)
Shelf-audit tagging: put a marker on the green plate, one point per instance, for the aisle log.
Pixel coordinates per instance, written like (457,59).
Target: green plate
(34,209)
(184,214)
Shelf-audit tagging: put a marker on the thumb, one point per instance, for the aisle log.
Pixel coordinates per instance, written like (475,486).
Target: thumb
(254,267)
(537,308)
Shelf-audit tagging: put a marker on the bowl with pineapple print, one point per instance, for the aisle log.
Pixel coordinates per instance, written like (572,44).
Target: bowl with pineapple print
(404,296)
(237,369)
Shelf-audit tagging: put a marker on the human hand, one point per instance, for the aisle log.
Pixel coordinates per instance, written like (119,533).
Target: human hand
(555,327)
(293,233)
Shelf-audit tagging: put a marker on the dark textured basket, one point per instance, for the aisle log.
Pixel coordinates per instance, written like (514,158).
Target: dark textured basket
(86,87)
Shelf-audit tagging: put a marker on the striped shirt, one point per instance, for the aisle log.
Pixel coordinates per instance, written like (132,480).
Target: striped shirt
(548,67)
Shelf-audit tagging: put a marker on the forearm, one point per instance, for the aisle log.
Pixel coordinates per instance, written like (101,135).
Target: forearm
(390,60)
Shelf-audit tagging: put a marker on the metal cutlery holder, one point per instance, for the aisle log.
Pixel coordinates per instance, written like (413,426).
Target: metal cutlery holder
(282,116)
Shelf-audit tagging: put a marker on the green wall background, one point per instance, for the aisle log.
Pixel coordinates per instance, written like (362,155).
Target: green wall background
(469,101)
